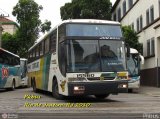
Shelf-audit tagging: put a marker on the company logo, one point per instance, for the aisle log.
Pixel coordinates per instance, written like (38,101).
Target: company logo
(4,116)
(108,37)
(85,75)
(5,72)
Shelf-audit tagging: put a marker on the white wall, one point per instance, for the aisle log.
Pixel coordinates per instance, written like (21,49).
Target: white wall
(9,28)
(131,17)
(140,9)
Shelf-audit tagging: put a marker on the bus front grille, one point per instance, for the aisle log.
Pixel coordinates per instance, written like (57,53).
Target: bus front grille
(98,78)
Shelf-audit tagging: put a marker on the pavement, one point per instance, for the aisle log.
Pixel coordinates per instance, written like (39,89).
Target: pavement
(153,91)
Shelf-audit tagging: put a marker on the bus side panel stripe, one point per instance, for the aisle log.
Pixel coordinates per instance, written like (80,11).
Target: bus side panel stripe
(44,73)
(39,80)
(47,66)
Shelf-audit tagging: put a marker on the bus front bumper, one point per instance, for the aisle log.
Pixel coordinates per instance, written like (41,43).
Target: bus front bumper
(135,84)
(97,88)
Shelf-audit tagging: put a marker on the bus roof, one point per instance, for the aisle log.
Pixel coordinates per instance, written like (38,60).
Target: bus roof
(23,59)
(1,49)
(90,21)
(133,51)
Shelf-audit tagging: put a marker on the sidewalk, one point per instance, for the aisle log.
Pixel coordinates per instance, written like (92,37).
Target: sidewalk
(153,91)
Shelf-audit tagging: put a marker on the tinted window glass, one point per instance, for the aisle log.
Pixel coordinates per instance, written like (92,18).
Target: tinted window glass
(53,41)
(8,59)
(93,30)
(61,58)
(47,45)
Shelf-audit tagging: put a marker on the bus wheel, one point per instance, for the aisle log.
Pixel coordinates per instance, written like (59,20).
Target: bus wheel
(101,96)
(13,85)
(55,92)
(34,86)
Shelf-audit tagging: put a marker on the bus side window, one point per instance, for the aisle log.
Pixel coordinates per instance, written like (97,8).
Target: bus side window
(61,33)
(10,59)
(37,51)
(6,59)
(1,60)
(41,48)
(34,53)
(30,56)
(47,45)
(62,58)
(53,41)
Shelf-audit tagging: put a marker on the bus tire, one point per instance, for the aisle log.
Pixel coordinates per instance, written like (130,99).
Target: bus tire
(34,86)
(55,92)
(12,86)
(103,96)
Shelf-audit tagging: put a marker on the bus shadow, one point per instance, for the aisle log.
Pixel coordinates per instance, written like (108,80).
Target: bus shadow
(3,90)
(78,99)
(87,99)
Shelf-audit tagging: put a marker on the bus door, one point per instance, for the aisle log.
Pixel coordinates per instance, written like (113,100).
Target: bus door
(23,68)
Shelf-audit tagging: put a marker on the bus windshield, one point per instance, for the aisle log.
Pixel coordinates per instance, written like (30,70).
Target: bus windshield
(95,56)
(133,64)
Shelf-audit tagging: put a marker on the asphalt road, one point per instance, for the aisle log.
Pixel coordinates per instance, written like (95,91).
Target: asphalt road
(132,105)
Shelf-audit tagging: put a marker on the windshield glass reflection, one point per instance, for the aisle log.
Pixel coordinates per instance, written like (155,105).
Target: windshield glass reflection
(95,56)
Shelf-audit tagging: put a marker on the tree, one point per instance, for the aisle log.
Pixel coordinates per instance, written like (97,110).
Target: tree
(131,38)
(10,42)
(27,14)
(46,26)
(87,9)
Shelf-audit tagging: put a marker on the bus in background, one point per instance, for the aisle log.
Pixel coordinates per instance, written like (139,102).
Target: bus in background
(80,57)
(24,77)
(134,62)
(9,70)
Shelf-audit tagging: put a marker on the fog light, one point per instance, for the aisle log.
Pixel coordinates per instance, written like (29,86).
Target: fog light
(122,86)
(76,88)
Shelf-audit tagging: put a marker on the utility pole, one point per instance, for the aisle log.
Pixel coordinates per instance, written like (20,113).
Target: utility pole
(1,29)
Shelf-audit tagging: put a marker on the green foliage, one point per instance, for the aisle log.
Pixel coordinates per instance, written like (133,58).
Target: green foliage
(131,38)
(10,42)
(86,9)
(27,14)
(46,26)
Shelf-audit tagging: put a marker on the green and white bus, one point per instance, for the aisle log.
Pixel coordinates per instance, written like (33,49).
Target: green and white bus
(9,70)
(80,57)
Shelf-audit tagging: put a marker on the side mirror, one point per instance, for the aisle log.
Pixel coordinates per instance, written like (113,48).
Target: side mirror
(142,59)
(128,50)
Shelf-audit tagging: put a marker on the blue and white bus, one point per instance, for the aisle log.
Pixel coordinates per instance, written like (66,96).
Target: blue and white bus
(134,62)
(9,70)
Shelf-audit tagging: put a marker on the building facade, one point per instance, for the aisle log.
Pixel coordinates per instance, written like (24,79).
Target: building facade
(8,26)
(144,17)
